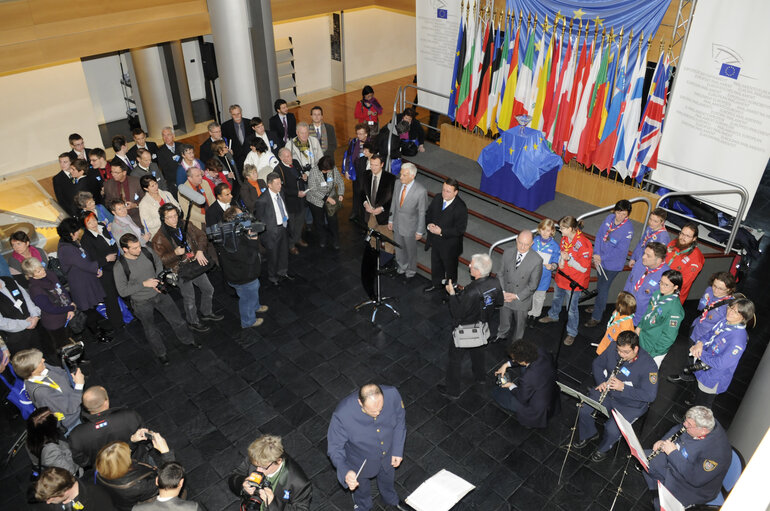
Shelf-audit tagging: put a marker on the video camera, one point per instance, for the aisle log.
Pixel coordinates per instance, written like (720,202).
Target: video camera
(258,481)
(71,355)
(226,233)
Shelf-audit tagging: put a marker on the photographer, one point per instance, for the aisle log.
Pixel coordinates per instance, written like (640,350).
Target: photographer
(288,489)
(241,267)
(183,252)
(534,397)
(57,489)
(137,280)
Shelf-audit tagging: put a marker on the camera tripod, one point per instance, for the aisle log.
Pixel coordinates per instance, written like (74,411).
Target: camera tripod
(377,300)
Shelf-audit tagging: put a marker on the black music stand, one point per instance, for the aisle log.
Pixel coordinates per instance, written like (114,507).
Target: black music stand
(582,399)
(371,272)
(573,284)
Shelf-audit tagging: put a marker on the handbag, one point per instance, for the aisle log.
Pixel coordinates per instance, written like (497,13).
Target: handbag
(331,209)
(17,394)
(190,269)
(471,335)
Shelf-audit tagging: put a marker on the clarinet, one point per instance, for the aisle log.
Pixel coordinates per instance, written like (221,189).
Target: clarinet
(606,390)
(672,438)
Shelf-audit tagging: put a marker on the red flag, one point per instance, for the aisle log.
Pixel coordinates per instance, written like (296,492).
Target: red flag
(553,107)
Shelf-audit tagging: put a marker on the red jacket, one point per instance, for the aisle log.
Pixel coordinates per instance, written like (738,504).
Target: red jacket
(688,262)
(578,265)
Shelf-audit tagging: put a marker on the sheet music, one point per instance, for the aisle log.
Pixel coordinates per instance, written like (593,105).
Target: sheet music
(633,442)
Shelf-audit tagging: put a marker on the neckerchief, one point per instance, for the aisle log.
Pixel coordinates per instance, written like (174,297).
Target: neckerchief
(614,227)
(567,244)
(612,322)
(721,328)
(644,275)
(651,235)
(657,304)
(711,306)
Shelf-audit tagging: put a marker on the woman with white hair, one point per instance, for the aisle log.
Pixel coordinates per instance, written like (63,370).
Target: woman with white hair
(475,304)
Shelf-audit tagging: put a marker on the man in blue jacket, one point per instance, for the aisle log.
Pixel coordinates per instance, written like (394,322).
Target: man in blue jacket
(366,440)
(693,466)
(610,253)
(632,389)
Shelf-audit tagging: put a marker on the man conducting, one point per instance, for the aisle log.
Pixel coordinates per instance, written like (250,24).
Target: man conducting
(366,440)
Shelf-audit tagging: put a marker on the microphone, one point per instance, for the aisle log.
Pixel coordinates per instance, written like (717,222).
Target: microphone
(191,195)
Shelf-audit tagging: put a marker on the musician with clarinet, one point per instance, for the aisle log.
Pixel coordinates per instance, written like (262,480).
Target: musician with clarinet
(626,380)
(692,465)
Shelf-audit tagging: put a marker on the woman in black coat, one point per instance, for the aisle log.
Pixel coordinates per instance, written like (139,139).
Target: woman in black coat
(100,246)
(82,272)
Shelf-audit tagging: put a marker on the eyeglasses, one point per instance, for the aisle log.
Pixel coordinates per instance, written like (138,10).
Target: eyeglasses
(265,469)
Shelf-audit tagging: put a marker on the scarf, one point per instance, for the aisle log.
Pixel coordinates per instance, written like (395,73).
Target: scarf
(33,252)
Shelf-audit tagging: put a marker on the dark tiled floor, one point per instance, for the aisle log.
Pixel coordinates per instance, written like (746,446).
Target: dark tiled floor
(286,377)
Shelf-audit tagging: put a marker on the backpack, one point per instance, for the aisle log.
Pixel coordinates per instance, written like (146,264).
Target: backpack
(124,263)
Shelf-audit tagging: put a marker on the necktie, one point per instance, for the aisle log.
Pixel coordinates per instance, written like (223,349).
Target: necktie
(285,130)
(240,132)
(519,257)
(318,133)
(444,206)
(282,210)
(375,180)
(403,195)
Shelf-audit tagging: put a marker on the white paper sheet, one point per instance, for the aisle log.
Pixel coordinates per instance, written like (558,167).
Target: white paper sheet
(440,492)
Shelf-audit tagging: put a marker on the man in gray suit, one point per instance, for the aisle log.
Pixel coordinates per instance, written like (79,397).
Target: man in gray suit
(407,219)
(170,480)
(520,276)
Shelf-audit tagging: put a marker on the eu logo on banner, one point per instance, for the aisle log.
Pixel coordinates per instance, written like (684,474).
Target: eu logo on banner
(730,71)
(442,14)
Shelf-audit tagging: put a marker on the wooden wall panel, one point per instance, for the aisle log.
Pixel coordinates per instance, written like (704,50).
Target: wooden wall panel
(36,33)
(462,142)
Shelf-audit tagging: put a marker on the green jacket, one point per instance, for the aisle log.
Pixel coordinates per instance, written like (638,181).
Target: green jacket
(660,324)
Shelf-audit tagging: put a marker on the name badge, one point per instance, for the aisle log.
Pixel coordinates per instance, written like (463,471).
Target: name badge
(625,371)
(15,292)
(83,255)
(136,196)
(330,179)
(177,158)
(18,304)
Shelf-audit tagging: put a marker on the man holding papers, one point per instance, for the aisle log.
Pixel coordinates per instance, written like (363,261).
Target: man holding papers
(692,465)
(631,375)
(366,440)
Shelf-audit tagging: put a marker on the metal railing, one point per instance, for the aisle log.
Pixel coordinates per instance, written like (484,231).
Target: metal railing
(737,189)
(591,213)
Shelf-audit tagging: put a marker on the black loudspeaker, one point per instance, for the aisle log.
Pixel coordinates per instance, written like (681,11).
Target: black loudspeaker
(209,61)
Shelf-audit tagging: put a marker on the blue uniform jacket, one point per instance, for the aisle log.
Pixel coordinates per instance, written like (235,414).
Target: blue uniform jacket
(648,287)
(704,323)
(694,473)
(354,436)
(648,236)
(640,377)
(722,353)
(546,247)
(612,242)
(536,391)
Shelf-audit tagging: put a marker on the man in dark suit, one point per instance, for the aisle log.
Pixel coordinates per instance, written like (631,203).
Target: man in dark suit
(271,138)
(407,219)
(99,165)
(169,156)
(121,149)
(446,219)
(64,184)
(291,176)
(146,167)
(283,123)
(534,397)
(215,133)
(237,130)
(126,188)
(140,142)
(270,208)
(519,276)
(323,131)
(79,149)
(170,480)
(85,181)
(216,211)
(377,194)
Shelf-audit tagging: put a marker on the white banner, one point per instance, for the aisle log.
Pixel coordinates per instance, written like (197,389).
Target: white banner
(719,120)
(437,24)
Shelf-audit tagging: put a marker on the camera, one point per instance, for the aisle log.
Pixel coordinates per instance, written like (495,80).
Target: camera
(697,366)
(71,354)
(167,278)
(220,233)
(502,379)
(306,168)
(257,481)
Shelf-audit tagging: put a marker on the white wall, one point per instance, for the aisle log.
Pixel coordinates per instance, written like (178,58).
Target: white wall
(45,106)
(194,69)
(312,52)
(376,41)
(103,79)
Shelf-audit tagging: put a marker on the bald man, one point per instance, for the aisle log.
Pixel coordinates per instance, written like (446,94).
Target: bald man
(101,425)
(519,277)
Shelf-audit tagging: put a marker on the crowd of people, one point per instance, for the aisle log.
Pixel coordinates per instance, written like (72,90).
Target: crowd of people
(157,217)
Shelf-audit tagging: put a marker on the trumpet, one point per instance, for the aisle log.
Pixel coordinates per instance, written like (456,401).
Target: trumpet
(672,438)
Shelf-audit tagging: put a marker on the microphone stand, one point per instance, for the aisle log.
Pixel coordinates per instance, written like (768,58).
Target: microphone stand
(379,300)
(574,285)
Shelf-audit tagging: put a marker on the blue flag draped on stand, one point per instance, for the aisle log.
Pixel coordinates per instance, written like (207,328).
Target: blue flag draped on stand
(521,151)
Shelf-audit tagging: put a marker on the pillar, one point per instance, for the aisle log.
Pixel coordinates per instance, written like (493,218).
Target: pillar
(245,53)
